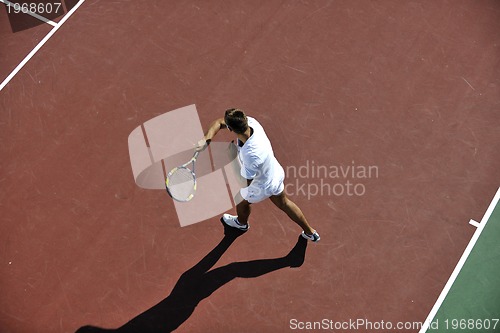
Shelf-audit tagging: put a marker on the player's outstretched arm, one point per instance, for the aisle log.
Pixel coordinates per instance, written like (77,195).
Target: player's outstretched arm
(212,130)
(214,127)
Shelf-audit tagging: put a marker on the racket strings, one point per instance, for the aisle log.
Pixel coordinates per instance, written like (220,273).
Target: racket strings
(181,184)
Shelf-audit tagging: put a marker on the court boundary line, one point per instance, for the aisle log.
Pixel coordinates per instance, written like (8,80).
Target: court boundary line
(461,262)
(29,12)
(40,44)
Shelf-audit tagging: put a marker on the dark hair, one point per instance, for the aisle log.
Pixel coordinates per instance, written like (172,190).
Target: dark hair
(236,120)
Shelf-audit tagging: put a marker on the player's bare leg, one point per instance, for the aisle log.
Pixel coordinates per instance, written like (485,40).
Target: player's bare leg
(293,211)
(241,220)
(243,211)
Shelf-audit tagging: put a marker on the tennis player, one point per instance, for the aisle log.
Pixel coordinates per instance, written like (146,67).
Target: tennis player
(262,170)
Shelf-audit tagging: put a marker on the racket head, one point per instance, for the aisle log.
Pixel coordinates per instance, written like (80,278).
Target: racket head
(181,184)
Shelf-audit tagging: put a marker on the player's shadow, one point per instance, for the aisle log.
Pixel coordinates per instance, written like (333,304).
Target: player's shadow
(199,282)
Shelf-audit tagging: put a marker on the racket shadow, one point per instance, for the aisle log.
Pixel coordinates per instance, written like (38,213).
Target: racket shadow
(199,282)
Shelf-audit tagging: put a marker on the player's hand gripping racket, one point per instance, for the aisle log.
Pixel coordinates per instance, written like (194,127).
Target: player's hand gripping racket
(181,181)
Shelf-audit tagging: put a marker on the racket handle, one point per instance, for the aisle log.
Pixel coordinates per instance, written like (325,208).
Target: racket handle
(195,156)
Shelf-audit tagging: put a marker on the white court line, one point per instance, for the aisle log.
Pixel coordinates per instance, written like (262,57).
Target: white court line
(461,263)
(39,45)
(474,223)
(35,15)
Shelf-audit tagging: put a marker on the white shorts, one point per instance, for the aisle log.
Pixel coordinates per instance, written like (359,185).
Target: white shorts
(256,193)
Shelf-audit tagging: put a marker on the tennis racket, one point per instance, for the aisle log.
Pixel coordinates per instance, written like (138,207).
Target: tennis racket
(181,181)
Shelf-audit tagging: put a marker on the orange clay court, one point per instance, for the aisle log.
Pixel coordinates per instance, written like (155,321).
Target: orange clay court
(384,115)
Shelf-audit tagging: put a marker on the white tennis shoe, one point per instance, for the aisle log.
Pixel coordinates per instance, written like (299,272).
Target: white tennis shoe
(313,238)
(232,221)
